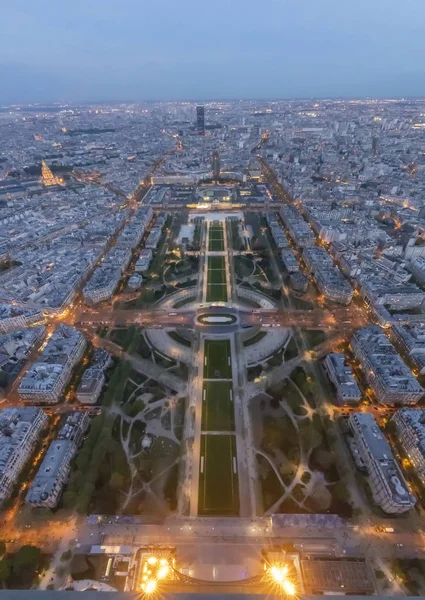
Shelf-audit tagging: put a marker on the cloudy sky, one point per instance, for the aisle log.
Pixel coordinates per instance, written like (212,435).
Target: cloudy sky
(88,50)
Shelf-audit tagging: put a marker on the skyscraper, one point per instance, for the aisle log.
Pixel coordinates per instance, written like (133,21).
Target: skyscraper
(215,165)
(200,119)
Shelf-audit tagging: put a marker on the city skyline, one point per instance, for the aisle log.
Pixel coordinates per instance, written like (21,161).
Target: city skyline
(175,52)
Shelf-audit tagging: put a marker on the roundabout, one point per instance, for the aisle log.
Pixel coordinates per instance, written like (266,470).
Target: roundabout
(217,319)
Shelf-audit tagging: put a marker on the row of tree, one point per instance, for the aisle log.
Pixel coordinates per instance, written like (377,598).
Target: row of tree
(19,568)
(87,464)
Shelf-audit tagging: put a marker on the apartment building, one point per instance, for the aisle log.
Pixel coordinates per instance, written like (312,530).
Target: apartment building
(20,428)
(53,473)
(340,374)
(389,377)
(410,424)
(387,483)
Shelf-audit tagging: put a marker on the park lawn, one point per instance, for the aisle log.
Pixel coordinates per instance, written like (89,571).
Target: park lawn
(215,245)
(216,276)
(216,262)
(218,481)
(217,406)
(216,292)
(217,362)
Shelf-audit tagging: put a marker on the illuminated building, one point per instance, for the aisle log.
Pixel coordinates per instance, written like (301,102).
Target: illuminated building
(47,177)
(200,119)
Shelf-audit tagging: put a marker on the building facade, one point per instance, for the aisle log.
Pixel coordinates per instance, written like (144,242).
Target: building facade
(387,483)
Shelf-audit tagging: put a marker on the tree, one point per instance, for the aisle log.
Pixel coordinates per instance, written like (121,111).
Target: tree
(311,438)
(323,459)
(85,497)
(116,481)
(83,459)
(340,491)
(321,498)
(5,568)
(26,559)
(67,555)
(69,498)
(391,427)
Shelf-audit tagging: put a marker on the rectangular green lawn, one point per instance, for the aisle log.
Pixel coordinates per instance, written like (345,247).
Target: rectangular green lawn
(216,262)
(216,276)
(217,362)
(216,245)
(217,406)
(218,481)
(216,292)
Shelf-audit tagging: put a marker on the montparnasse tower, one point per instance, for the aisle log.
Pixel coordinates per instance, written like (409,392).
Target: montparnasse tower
(47,176)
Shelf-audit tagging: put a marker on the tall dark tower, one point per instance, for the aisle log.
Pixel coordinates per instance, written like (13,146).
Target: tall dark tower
(200,119)
(374,146)
(215,165)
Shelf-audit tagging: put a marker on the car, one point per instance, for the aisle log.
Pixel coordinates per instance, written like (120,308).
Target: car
(400,545)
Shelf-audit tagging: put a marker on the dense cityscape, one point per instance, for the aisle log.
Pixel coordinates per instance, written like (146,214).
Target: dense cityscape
(212,347)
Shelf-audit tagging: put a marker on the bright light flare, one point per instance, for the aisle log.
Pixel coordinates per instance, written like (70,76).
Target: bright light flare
(152,560)
(288,587)
(279,576)
(162,572)
(149,587)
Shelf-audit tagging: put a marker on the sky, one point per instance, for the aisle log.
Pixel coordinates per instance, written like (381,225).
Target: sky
(136,50)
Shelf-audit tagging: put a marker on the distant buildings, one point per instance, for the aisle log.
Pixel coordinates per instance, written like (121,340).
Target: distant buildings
(153,238)
(47,177)
(45,380)
(298,229)
(389,488)
(107,276)
(200,119)
(410,424)
(411,338)
(144,260)
(389,377)
(276,231)
(135,282)
(53,473)
(17,317)
(298,282)
(20,428)
(347,390)
(289,260)
(417,267)
(328,278)
(93,378)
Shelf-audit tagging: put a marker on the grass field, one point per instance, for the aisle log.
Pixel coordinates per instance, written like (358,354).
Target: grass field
(217,406)
(216,283)
(216,292)
(218,481)
(216,262)
(216,276)
(216,238)
(217,362)
(215,245)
